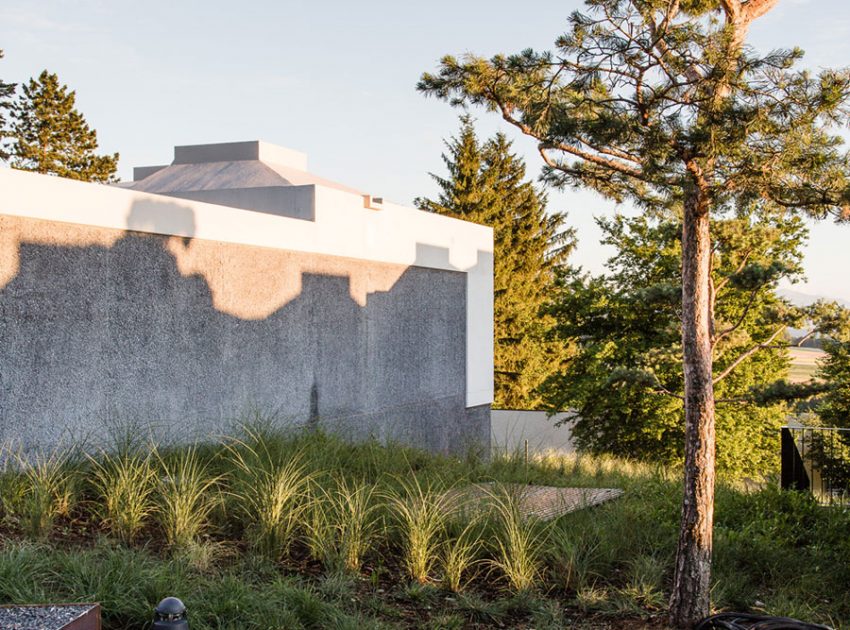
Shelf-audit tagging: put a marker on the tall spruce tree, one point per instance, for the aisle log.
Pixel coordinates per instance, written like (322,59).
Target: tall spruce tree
(7,90)
(660,101)
(48,135)
(486,184)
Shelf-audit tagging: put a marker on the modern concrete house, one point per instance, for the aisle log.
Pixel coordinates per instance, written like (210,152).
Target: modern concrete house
(233,280)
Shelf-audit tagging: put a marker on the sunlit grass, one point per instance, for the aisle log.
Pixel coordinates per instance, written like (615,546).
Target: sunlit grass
(42,489)
(352,514)
(421,514)
(368,513)
(187,494)
(125,485)
(271,493)
(460,556)
(519,540)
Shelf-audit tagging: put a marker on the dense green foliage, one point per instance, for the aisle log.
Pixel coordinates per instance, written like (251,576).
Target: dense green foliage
(47,134)
(834,407)
(7,90)
(486,184)
(626,381)
(611,561)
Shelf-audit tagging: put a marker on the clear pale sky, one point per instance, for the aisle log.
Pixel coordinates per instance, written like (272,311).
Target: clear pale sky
(336,80)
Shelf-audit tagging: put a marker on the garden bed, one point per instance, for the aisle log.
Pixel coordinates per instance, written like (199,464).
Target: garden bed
(307,531)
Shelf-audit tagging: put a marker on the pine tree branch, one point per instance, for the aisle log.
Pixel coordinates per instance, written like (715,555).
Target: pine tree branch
(805,338)
(547,144)
(666,392)
(738,270)
(732,8)
(728,331)
(589,157)
(658,32)
(746,355)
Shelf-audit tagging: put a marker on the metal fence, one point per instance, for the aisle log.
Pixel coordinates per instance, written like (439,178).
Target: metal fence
(817,460)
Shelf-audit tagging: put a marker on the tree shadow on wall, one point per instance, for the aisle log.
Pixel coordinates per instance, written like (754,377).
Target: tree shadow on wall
(94,332)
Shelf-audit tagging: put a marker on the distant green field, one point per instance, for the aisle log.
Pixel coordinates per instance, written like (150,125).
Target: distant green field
(803,363)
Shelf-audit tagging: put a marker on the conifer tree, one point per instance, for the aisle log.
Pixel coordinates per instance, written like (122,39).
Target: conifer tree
(657,101)
(625,381)
(48,135)
(7,90)
(486,184)
(833,407)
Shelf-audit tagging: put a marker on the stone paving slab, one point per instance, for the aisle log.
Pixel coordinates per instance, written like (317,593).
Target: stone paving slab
(543,502)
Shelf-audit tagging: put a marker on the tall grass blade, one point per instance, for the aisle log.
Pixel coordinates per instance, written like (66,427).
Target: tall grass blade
(519,541)
(461,557)
(45,490)
(352,514)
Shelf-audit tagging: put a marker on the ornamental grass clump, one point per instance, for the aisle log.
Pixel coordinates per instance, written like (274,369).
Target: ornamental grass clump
(518,542)
(572,556)
(460,557)
(43,490)
(319,530)
(125,484)
(270,493)
(353,519)
(420,514)
(187,495)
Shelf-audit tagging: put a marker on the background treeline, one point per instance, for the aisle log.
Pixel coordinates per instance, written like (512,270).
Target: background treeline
(610,346)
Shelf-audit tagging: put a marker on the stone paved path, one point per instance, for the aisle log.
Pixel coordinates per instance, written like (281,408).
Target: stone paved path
(543,502)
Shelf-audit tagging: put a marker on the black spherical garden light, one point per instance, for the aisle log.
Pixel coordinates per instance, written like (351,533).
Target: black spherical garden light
(170,614)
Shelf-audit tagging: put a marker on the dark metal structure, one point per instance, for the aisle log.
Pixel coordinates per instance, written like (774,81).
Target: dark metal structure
(817,460)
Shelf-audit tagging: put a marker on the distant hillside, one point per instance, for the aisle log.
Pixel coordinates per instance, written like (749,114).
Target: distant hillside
(798,298)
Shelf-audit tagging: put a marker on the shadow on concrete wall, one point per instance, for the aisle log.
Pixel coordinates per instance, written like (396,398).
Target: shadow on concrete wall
(94,335)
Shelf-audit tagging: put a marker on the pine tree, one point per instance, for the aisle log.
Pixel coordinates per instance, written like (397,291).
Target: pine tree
(50,136)
(7,90)
(486,184)
(657,101)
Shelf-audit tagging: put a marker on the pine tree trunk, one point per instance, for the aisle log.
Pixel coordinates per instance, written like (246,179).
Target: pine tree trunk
(690,598)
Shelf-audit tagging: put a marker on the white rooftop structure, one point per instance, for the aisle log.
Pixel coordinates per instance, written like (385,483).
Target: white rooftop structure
(252,175)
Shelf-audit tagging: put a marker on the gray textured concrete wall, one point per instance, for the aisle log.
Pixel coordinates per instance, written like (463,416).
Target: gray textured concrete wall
(102,328)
